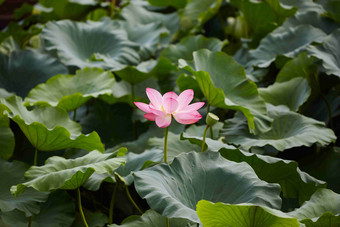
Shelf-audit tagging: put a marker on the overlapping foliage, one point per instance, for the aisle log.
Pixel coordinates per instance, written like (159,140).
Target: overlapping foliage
(70,71)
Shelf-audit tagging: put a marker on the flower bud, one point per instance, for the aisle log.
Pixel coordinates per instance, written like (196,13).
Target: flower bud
(211,119)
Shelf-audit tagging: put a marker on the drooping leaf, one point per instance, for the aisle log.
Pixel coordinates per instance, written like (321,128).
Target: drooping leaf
(152,219)
(72,91)
(323,209)
(61,173)
(23,70)
(134,163)
(7,141)
(48,128)
(224,84)
(29,202)
(185,82)
(189,44)
(328,53)
(288,43)
(222,214)
(263,17)
(84,44)
(211,177)
(289,130)
(292,93)
(58,210)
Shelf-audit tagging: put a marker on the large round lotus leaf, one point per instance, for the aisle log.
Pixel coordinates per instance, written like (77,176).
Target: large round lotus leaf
(23,70)
(221,214)
(48,128)
(289,130)
(292,93)
(58,210)
(134,163)
(263,17)
(80,44)
(207,176)
(13,173)
(224,84)
(61,173)
(151,219)
(189,44)
(323,209)
(70,92)
(288,43)
(294,183)
(328,52)
(7,141)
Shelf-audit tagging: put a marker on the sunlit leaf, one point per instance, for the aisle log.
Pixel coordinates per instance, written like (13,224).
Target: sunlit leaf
(61,173)
(211,177)
(222,214)
(7,141)
(71,91)
(49,128)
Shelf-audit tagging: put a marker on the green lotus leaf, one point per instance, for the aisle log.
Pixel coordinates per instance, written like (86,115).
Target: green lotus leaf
(196,13)
(5,94)
(224,84)
(134,163)
(7,141)
(58,210)
(323,209)
(48,128)
(288,43)
(292,93)
(222,214)
(328,53)
(37,67)
(211,177)
(198,130)
(189,44)
(185,82)
(8,46)
(289,130)
(136,14)
(72,91)
(94,219)
(151,219)
(28,202)
(263,17)
(85,44)
(145,70)
(304,6)
(294,182)
(61,173)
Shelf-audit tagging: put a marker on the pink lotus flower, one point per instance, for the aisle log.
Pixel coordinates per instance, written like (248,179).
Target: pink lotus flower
(162,108)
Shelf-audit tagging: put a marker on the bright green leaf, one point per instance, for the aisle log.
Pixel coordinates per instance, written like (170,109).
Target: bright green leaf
(48,128)
(61,173)
(7,141)
(70,92)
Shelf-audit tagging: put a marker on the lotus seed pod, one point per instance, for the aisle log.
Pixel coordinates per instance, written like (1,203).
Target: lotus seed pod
(211,119)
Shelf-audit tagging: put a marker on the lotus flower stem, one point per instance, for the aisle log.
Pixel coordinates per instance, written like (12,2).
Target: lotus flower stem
(80,208)
(204,136)
(74,115)
(166,145)
(167,222)
(132,201)
(112,204)
(35,157)
(30,221)
(113,5)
